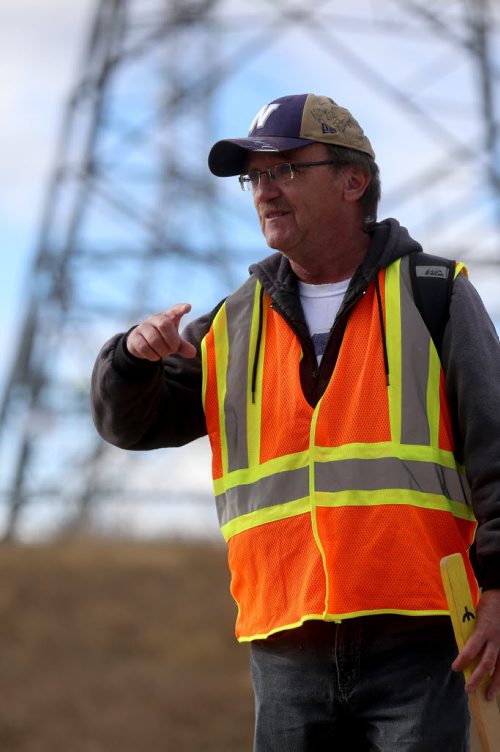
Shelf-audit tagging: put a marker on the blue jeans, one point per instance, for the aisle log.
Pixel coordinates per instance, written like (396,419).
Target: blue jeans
(370,684)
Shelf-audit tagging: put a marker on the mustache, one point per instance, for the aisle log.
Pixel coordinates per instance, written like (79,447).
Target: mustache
(275,205)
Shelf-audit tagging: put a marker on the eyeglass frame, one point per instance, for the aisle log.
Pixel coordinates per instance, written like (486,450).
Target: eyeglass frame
(272,177)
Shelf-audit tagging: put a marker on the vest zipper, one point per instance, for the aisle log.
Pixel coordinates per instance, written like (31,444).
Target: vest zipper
(382,331)
(257,344)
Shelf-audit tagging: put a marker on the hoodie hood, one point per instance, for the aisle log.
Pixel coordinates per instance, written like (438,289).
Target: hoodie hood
(390,241)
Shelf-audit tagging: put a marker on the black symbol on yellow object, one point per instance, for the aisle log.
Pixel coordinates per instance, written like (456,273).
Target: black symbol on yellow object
(468,615)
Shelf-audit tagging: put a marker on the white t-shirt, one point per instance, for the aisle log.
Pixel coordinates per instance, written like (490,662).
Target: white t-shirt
(321,304)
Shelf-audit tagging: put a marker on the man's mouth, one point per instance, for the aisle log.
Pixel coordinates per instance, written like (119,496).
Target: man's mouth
(272,212)
(272,215)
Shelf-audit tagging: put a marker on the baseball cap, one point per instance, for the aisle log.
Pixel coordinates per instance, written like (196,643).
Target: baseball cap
(287,123)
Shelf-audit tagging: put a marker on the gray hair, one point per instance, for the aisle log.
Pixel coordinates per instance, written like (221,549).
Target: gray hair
(371,197)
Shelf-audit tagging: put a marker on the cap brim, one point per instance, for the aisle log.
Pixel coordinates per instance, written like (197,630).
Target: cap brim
(229,157)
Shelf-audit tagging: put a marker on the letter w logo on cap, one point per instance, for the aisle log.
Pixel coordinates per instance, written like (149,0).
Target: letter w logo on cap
(262,116)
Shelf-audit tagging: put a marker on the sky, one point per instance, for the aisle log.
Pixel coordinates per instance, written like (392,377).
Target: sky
(42,42)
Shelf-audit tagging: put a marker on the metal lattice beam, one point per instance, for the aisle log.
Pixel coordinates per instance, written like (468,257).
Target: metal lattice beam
(133,218)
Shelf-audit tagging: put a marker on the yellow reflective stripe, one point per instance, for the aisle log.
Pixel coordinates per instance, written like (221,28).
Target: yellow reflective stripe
(254,409)
(292,625)
(392,496)
(386,449)
(398,611)
(266,492)
(433,401)
(265,515)
(340,617)
(385,479)
(253,474)
(312,495)
(204,372)
(387,473)
(393,333)
(221,346)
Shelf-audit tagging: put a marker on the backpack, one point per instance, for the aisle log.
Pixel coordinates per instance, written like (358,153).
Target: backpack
(432,284)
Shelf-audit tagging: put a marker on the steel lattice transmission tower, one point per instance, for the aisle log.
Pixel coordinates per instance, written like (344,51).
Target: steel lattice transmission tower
(133,221)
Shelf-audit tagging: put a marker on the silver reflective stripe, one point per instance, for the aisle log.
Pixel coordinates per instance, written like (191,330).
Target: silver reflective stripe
(343,475)
(391,472)
(239,309)
(415,344)
(279,488)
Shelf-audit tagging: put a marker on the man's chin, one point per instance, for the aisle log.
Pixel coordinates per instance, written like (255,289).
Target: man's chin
(277,241)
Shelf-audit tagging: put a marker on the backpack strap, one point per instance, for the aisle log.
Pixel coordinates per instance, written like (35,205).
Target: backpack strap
(432,284)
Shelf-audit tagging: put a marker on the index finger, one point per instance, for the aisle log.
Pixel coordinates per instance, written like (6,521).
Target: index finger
(177,311)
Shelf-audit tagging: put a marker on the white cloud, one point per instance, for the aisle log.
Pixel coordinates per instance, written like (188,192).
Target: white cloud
(41,45)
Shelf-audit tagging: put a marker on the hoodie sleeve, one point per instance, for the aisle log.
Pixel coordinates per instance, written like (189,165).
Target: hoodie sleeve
(471,361)
(138,404)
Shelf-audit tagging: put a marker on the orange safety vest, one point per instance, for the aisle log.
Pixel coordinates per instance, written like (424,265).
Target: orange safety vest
(344,509)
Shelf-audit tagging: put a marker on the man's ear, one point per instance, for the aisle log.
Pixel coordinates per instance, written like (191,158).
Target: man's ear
(356,183)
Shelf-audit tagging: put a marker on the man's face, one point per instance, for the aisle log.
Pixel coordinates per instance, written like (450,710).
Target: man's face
(297,215)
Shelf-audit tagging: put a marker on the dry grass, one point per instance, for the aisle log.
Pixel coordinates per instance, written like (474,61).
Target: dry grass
(120,646)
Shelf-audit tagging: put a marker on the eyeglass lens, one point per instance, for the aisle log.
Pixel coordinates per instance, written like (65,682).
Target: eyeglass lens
(250,181)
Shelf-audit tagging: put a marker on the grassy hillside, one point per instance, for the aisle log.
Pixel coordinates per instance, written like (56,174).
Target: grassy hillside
(120,646)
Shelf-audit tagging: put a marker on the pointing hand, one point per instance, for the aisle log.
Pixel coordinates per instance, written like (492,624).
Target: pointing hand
(158,336)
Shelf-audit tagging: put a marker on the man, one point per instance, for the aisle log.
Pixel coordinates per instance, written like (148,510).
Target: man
(339,447)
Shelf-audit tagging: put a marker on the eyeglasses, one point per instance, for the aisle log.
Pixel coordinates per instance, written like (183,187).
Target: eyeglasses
(280,173)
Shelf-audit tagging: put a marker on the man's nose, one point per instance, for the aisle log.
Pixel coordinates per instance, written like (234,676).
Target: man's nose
(267,188)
